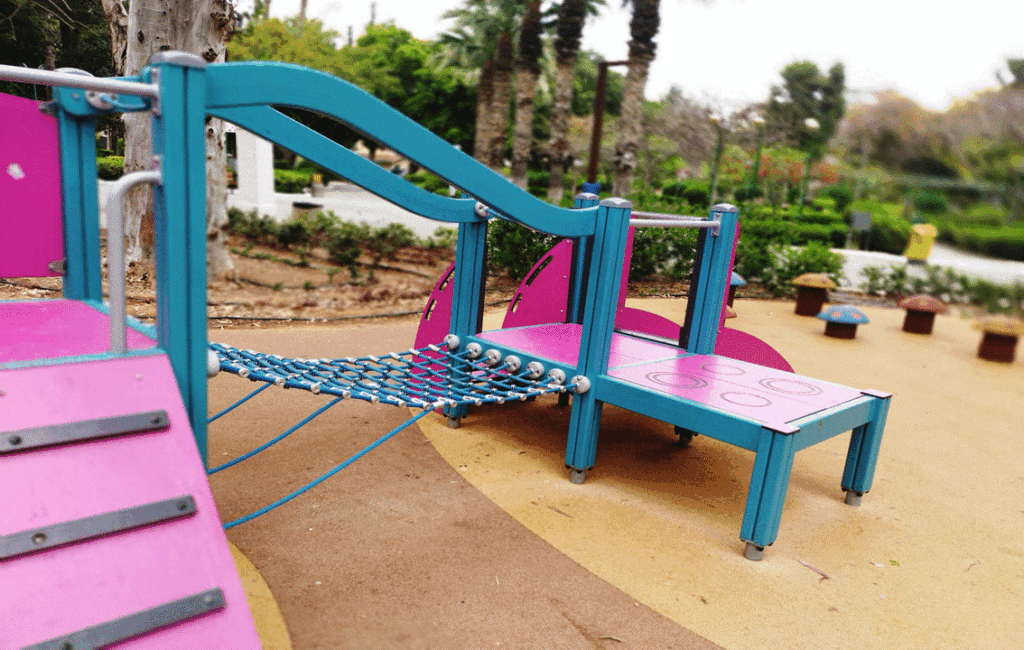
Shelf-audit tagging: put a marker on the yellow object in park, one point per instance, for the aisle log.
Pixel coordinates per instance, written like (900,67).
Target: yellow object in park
(922,236)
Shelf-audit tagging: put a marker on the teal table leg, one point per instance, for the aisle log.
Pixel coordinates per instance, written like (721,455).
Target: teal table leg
(863,453)
(584,427)
(768,483)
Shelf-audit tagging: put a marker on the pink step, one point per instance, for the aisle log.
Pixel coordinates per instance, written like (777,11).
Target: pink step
(60,590)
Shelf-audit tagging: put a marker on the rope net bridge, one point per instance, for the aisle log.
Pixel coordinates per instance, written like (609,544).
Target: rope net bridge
(428,378)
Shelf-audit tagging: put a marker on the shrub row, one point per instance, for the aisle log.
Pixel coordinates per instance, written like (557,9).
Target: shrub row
(1004,242)
(945,284)
(344,241)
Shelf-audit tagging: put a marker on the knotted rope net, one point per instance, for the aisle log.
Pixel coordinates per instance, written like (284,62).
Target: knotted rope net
(430,377)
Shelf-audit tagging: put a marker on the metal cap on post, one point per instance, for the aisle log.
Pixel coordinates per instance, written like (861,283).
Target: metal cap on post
(176,57)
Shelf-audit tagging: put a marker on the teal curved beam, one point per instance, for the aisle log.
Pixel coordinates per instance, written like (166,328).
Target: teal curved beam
(273,125)
(257,83)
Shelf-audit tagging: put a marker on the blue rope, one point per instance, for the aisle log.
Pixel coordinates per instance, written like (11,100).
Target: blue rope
(316,482)
(240,402)
(275,440)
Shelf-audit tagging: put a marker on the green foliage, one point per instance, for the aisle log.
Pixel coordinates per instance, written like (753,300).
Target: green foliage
(110,168)
(931,203)
(984,214)
(697,194)
(513,249)
(428,181)
(385,241)
(343,246)
(775,265)
(1004,242)
(292,181)
(889,232)
(841,194)
(807,93)
(663,251)
(584,86)
(947,285)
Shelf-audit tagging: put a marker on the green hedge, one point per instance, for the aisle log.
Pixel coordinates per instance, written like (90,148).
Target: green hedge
(889,232)
(1005,242)
(110,168)
(292,181)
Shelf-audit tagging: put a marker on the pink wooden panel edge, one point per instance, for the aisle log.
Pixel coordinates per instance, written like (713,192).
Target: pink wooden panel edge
(65,589)
(31,233)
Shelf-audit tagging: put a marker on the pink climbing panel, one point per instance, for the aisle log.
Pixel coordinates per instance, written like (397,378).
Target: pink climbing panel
(51,329)
(543,295)
(31,235)
(60,590)
(436,319)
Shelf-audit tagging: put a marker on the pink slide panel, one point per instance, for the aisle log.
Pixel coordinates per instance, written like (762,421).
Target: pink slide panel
(64,589)
(52,329)
(765,395)
(31,232)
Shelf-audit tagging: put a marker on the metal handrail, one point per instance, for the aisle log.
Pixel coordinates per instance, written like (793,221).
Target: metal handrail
(73,80)
(115,255)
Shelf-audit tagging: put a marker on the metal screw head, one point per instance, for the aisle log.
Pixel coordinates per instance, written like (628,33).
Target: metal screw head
(39,539)
(14,440)
(183,505)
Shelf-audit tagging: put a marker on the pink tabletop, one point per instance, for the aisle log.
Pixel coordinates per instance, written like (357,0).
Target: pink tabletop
(64,589)
(51,329)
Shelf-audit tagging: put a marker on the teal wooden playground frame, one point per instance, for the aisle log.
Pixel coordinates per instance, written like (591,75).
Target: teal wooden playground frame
(181,90)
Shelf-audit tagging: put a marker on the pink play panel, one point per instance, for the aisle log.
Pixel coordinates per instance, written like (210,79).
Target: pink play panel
(766,395)
(64,589)
(31,233)
(52,329)
(763,394)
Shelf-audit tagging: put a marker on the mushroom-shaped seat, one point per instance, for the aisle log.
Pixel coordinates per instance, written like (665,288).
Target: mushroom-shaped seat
(921,310)
(999,341)
(735,281)
(842,321)
(811,292)
(730,312)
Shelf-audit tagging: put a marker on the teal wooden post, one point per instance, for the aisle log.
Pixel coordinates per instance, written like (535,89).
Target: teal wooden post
(179,148)
(600,303)
(82,276)
(863,453)
(769,480)
(711,281)
(580,246)
(468,291)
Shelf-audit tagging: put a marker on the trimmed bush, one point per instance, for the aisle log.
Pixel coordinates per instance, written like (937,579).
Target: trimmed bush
(1006,242)
(931,203)
(841,194)
(984,214)
(292,181)
(514,249)
(110,168)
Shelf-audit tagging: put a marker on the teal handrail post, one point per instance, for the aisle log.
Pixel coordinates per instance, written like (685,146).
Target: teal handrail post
(76,122)
(710,283)
(580,249)
(179,149)
(600,303)
(468,290)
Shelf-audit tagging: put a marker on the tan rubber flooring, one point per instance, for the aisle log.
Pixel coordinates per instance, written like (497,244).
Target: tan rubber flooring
(496,549)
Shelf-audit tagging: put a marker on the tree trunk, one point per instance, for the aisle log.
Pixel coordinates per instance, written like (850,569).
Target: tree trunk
(484,95)
(201,27)
(569,29)
(503,63)
(522,136)
(560,111)
(527,70)
(643,27)
(117,19)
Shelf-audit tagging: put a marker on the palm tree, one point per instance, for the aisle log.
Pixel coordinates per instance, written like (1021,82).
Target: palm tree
(643,27)
(527,71)
(483,40)
(568,30)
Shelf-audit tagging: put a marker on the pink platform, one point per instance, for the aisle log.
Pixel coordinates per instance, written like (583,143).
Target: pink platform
(31,234)
(58,591)
(52,329)
(767,395)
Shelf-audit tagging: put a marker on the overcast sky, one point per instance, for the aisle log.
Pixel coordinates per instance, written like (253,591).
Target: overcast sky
(730,52)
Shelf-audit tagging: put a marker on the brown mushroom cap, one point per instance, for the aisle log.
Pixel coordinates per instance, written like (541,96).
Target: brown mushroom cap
(730,312)
(924,302)
(816,280)
(1000,324)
